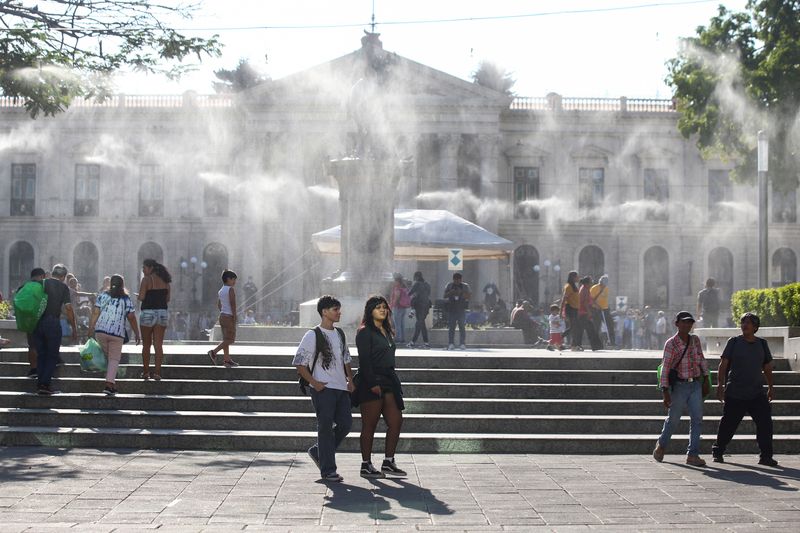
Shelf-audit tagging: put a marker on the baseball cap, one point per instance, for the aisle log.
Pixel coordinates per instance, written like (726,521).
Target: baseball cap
(684,315)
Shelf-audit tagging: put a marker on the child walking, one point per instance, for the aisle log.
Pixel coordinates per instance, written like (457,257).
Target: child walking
(227,319)
(557,327)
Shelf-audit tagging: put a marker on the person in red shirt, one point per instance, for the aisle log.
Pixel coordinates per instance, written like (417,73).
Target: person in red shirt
(684,353)
(585,317)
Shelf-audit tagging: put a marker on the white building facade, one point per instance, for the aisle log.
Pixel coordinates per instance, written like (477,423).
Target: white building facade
(593,185)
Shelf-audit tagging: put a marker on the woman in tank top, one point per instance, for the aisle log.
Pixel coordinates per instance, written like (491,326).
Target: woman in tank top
(154,293)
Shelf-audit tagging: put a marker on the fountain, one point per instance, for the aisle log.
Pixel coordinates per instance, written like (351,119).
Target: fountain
(368,180)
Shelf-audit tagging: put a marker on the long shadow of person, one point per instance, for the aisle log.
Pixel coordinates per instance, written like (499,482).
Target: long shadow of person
(755,476)
(376,502)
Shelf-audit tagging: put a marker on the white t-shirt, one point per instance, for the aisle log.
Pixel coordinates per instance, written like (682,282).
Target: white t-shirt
(557,324)
(334,375)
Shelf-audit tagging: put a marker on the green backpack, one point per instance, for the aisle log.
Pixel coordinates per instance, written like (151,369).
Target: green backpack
(29,305)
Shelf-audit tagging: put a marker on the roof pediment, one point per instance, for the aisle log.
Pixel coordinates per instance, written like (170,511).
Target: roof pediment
(400,78)
(522,150)
(591,151)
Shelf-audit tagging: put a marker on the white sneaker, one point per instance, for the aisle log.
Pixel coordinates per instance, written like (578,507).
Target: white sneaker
(462,347)
(451,346)
(410,344)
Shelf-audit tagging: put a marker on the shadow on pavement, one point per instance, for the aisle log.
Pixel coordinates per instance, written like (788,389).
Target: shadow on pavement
(376,502)
(755,476)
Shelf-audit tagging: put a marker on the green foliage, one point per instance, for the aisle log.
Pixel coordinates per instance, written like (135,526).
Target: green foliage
(55,50)
(775,307)
(495,77)
(740,74)
(244,76)
(5,309)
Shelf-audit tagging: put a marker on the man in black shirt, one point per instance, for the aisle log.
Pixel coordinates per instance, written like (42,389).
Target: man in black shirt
(741,389)
(47,335)
(708,304)
(457,294)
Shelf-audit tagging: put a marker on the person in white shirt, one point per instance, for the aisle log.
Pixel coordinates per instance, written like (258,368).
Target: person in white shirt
(323,361)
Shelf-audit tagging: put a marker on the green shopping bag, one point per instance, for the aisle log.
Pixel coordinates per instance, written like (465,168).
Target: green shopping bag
(93,359)
(29,305)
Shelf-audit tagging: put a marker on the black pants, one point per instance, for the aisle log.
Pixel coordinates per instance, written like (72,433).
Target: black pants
(572,324)
(419,325)
(585,324)
(733,411)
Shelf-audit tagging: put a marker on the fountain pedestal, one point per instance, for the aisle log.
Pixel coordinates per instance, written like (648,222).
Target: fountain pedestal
(367,189)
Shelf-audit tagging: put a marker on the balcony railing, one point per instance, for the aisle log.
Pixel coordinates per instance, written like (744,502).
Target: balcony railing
(556,102)
(551,102)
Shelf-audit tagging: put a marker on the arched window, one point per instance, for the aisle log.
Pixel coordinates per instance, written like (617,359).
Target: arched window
(591,262)
(85,264)
(20,264)
(216,257)
(720,267)
(784,267)
(526,279)
(656,277)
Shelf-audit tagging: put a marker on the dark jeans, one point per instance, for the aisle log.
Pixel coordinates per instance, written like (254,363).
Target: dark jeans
(710,319)
(47,340)
(334,420)
(585,324)
(572,324)
(733,411)
(419,326)
(453,318)
(606,315)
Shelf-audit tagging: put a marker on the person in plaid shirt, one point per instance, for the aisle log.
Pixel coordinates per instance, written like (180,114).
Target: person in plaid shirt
(683,352)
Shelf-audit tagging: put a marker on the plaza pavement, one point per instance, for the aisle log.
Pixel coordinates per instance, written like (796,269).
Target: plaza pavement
(88,490)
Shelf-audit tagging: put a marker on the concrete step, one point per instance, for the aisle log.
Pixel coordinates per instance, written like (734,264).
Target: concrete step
(240,387)
(262,373)
(488,359)
(487,406)
(414,423)
(409,443)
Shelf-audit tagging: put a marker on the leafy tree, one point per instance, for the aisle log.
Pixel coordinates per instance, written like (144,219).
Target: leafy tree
(739,74)
(493,76)
(244,76)
(54,50)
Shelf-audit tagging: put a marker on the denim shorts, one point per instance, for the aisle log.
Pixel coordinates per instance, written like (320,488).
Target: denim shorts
(153,317)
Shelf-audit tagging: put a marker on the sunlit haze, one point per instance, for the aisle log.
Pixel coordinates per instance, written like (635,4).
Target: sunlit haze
(618,52)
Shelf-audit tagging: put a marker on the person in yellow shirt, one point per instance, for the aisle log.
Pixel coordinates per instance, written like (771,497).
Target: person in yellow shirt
(599,294)
(570,302)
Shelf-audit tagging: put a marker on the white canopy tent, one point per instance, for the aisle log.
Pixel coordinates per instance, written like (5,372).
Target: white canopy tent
(429,235)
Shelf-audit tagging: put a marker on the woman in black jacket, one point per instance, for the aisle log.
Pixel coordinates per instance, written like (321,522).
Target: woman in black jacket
(378,391)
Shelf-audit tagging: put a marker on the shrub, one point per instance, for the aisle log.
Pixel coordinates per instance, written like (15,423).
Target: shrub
(776,307)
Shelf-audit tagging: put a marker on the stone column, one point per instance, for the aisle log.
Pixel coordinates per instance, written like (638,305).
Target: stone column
(489,146)
(448,162)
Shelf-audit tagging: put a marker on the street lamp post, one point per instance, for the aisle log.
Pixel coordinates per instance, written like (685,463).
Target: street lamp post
(194,273)
(556,268)
(763,218)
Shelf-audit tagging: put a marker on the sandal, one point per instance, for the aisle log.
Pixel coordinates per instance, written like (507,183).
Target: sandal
(155,376)
(230,363)
(213,357)
(145,376)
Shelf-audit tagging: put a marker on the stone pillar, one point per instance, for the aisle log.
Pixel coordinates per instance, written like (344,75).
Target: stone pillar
(448,162)
(489,146)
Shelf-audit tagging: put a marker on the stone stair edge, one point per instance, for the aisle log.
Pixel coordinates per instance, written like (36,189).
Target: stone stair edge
(284,414)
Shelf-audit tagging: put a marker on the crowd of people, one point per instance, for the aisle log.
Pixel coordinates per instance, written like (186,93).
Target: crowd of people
(109,315)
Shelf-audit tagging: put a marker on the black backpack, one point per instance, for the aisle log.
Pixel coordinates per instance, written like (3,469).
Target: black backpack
(321,341)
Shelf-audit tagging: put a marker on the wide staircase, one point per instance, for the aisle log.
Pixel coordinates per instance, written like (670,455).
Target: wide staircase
(478,401)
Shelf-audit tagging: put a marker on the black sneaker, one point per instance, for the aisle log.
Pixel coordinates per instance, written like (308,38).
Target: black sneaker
(44,390)
(718,458)
(768,461)
(388,467)
(370,472)
(110,391)
(33,373)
